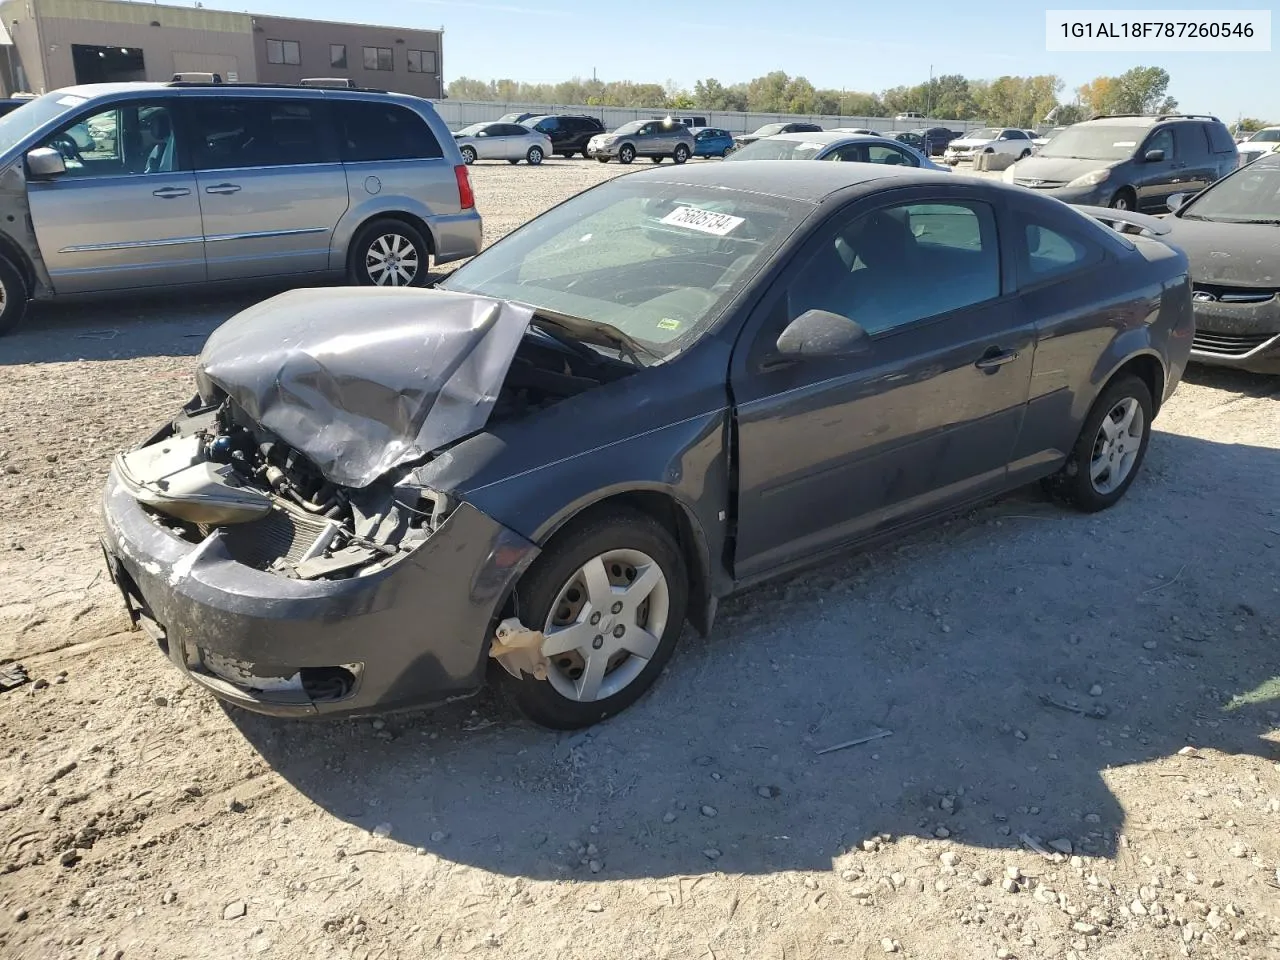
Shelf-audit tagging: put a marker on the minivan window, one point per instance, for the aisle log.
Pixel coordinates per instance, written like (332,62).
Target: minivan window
(1220,139)
(33,115)
(124,139)
(1160,140)
(369,131)
(231,133)
(1100,142)
(1192,140)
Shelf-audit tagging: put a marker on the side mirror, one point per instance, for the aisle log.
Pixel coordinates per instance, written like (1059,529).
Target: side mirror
(1153,156)
(820,333)
(1176,201)
(44,163)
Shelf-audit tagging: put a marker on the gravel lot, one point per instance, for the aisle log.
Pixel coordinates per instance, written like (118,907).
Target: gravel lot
(1103,688)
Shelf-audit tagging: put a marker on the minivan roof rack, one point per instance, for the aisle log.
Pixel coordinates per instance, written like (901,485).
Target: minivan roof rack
(344,82)
(263,86)
(1156,116)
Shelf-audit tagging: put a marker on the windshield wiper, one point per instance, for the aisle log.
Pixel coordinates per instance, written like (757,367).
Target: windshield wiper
(585,329)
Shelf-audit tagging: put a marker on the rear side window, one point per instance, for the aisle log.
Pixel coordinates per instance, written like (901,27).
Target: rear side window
(230,133)
(1192,141)
(1219,138)
(1052,252)
(369,131)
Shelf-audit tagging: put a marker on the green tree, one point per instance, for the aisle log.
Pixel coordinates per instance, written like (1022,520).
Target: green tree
(1250,124)
(1139,90)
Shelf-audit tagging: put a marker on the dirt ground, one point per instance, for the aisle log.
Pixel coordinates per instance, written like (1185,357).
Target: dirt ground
(1103,688)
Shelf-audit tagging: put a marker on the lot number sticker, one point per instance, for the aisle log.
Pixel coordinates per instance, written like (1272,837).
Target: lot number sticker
(719,224)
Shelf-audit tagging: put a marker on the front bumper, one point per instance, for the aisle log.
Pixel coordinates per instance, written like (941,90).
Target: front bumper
(412,634)
(595,150)
(1244,336)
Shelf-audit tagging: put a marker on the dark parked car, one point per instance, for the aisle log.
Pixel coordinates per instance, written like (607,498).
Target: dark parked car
(1129,162)
(667,388)
(939,138)
(773,129)
(914,140)
(515,117)
(1231,232)
(569,134)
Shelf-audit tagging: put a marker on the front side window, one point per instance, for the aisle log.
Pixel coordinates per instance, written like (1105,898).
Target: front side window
(338,55)
(236,133)
(125,139)
(1016,135)
(1161,140)
(868,269)
(422,61)
(656,260)
(382,131)
(881,153)
(378,58)
(284,51)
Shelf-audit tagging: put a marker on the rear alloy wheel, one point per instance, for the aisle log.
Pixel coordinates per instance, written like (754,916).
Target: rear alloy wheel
(468,155)
(610,597)
(389,253)
(681,153)
(13,296)
(1111,447)
(627,153)
(534,156)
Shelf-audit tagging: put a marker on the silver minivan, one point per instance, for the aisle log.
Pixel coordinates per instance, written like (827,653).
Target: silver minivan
(109,187)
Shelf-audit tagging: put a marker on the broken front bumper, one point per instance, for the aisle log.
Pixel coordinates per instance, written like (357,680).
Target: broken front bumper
(412,634)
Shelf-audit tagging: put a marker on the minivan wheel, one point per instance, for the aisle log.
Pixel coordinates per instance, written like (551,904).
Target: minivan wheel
(468,155)
(609,596)
(681,153)
(1110,449)
(1123,200)
(627,153)
(13,296)
(389,253)
(534,156)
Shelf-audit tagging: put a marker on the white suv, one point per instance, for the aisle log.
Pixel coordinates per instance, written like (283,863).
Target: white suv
(1008,140)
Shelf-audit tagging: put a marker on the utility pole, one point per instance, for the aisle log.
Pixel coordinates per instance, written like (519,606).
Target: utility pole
(928,95)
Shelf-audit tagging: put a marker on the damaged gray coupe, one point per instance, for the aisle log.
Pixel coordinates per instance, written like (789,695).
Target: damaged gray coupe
(664,390)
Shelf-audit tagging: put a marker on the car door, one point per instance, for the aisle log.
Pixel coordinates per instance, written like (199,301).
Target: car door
(126,212)
(1198,170)
(1157,180)
(646,139)
(489,142)
(832,451)
(271,185)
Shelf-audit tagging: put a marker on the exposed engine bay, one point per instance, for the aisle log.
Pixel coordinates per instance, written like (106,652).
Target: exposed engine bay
(215,471)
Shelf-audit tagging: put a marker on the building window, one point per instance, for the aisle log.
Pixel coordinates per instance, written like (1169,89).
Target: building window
(338,55)
(284,51)
(422,61)
(378,58)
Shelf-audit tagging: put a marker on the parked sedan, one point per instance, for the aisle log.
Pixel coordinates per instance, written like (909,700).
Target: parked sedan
(1258,143)
(655,139)
(502,141)
(773,129)
(1008,140)
(833,145)
(711,142)
(664,390)
(1230,233)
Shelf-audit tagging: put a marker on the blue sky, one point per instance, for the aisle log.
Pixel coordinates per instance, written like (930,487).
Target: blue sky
(868,46)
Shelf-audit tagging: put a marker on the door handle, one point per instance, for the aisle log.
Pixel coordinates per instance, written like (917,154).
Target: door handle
(223,188)
(995,359)
(168,193)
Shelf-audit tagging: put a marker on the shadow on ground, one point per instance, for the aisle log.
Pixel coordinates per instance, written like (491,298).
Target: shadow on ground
(977,644)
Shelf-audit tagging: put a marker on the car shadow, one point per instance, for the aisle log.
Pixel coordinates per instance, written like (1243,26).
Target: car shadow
(135,324)
(1004,661)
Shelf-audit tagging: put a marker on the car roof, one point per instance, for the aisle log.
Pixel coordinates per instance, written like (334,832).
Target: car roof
(826,137)
(796,180)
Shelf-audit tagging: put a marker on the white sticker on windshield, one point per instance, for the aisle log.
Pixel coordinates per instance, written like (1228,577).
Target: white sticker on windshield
(691,218)
(71,101)
(1125,143)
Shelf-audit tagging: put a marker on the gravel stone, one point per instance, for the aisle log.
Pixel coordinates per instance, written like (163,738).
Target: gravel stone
(234,910)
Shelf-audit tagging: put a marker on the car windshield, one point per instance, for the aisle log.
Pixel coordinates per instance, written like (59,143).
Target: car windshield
(656,260)
(472,130)
(34,114)
(1266,136)
(769,129)
(1095,143)
(985,133)
(632,127)
(1251,195)
(778,149)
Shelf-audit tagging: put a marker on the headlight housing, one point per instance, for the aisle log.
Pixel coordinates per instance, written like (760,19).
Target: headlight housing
(1091,179)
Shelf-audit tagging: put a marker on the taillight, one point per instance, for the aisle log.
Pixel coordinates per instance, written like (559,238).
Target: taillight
(466,196)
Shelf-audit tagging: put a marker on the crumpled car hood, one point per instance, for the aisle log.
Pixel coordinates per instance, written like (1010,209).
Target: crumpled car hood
(363,380)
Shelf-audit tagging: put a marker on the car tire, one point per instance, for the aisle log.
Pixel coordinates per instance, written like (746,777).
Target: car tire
(13,296)
(1024,154)
(569,155)
(380,239)
(586,155)
(534,156)
(681,153)
(725,152)
(469,155)
(1091,479)
(657,159)
(547,592)
(1123,199)
(626,153)
(603,159)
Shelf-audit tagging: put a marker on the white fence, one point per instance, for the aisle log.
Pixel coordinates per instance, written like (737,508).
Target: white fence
(460,113)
